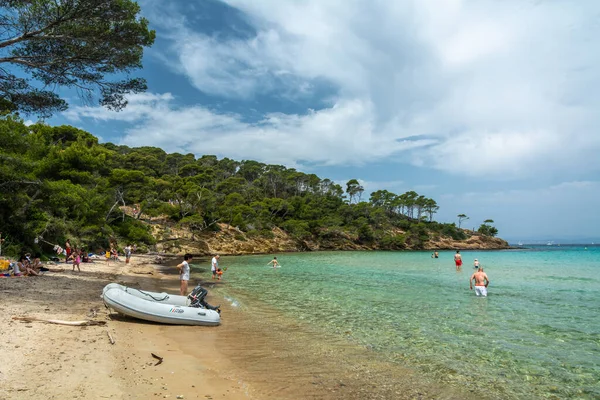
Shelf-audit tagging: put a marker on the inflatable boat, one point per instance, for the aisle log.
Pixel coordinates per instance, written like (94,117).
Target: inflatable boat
(161,307)
(159,297)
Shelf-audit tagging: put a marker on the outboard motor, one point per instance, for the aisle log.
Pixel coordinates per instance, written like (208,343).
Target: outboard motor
(197,299)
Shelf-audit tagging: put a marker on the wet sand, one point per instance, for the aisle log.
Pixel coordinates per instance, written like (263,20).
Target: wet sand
(253,354)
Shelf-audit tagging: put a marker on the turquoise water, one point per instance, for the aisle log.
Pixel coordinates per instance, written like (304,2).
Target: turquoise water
(536,335)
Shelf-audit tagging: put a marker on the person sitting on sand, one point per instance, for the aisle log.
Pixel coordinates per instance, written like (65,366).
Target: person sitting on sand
(37,265)
(22,268)
(184,274)
(274,262)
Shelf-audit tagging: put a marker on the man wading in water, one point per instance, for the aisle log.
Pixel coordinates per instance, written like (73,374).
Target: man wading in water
(458,260)
(481,282)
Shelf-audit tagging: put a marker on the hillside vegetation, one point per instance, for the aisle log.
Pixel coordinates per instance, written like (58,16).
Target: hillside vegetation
(60,182)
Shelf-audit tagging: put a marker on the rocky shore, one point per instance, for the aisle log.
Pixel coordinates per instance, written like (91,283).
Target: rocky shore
(232,241)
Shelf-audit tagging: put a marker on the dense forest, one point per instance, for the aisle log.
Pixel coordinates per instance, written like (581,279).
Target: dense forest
(60,182)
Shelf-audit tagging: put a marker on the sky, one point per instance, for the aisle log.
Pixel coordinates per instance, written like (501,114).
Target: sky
(489,107)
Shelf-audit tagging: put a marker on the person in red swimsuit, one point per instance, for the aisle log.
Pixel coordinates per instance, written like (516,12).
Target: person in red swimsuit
(68,250)
(458,260)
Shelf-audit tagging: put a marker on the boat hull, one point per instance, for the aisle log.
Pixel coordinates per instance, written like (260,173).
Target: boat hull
(158,297)
(124,302)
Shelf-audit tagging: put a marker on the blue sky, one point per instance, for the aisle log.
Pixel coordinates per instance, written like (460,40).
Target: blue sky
(489,107)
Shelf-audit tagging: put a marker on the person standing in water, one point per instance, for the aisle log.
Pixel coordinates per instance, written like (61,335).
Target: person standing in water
(481,282)
(458,260)
(184,274)
(476,264)
(274,262)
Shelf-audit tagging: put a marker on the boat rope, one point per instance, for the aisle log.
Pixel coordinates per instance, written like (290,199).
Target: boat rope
(149,295)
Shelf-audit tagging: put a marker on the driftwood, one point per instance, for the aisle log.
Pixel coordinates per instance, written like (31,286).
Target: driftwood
(112,341)
(159,358)
(60,322)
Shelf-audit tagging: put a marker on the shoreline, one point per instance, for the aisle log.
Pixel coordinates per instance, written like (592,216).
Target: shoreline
(254,354)
(206,256)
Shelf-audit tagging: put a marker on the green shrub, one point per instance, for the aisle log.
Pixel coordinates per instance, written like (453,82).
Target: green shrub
(365,234)
(299,229)
(392,242)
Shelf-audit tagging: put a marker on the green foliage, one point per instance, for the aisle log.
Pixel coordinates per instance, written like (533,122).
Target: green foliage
(132,230)
(392,242)
(487,230)
(461,218)
(59,182)
(299,229)
(452,231)
(77,44)
(365,233)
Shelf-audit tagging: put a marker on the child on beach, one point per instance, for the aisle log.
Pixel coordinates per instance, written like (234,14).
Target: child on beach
(107,255)
(76,260)
(127,253)
(184,274)
(115,254)
(476,264)
(219,273)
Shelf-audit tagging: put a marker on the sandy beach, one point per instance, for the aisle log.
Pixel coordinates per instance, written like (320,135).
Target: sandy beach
(240,359)
(49,361)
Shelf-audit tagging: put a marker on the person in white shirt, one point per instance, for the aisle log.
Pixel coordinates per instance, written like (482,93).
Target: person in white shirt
(184,274)
(22,268)
(214,264)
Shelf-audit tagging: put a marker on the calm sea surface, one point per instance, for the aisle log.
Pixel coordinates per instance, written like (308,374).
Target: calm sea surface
(536,335)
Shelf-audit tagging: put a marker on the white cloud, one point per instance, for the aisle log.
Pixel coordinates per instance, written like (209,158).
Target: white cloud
(276,139)
(500,89)
(140,106)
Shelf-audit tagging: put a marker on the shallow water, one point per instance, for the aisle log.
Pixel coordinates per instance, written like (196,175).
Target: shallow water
(536,335)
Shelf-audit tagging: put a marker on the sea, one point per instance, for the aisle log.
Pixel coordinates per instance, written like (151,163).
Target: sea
(536,335)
